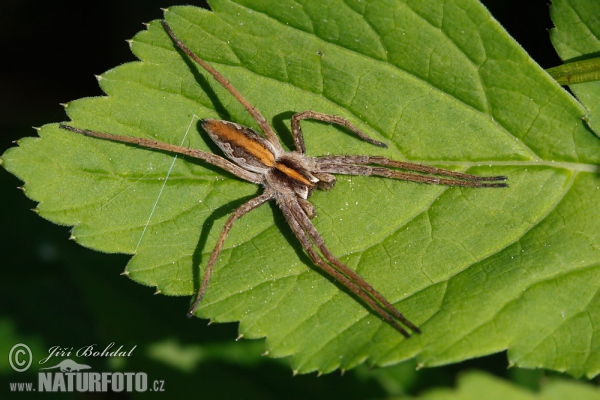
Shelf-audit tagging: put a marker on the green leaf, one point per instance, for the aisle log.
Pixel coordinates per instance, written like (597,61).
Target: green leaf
(577,71)
(479,270)
(477,385)
(576,38)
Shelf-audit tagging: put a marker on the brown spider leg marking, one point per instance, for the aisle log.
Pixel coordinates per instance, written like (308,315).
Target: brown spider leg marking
(301,226)
(350,169)
(238,213)
(308,207)
(153,144)
(260,120)
(320,243)
(299,138)
(335,164)
(408,166)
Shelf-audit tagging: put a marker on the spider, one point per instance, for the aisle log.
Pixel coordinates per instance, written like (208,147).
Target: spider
(289,178)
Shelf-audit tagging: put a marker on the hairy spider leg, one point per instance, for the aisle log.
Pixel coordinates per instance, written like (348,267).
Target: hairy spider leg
(314,235)
(351,169)
(408,166)
(153,144)
(328,164)
(293,214)
(260,120)
(239,212)
(299,136)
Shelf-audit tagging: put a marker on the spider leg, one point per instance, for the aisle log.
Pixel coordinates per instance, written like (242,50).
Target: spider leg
(260,120)
(299,138)
(308,207)
(239,212)
(153,144)
(297,221)
(317,239)
(326,181)
(350,169)
(408,166)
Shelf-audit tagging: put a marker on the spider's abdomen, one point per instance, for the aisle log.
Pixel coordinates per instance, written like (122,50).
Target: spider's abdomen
(242,145)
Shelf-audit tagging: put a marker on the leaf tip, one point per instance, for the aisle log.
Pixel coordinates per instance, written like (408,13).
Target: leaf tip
(129,41)
(319,373)
(342,371)
(65,105)
(240,336)
(35,210)
(420,366)
(165,10)
(21,188)
(265,354)
(126,273)
(158,291)
(146,24)
(294,372)
(98,77)
(37,128)
(72,237)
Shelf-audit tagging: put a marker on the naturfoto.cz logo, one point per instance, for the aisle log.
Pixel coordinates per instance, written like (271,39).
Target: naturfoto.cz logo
(71,376)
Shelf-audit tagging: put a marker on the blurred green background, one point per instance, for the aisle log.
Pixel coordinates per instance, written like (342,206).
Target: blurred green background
(56,293)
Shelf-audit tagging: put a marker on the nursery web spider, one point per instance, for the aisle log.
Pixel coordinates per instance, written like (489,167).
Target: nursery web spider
(290,177)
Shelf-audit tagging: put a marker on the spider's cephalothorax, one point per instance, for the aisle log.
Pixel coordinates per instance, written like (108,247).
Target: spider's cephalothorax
(290,177)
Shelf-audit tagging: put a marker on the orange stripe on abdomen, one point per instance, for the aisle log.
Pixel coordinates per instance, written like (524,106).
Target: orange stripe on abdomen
(230,134)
